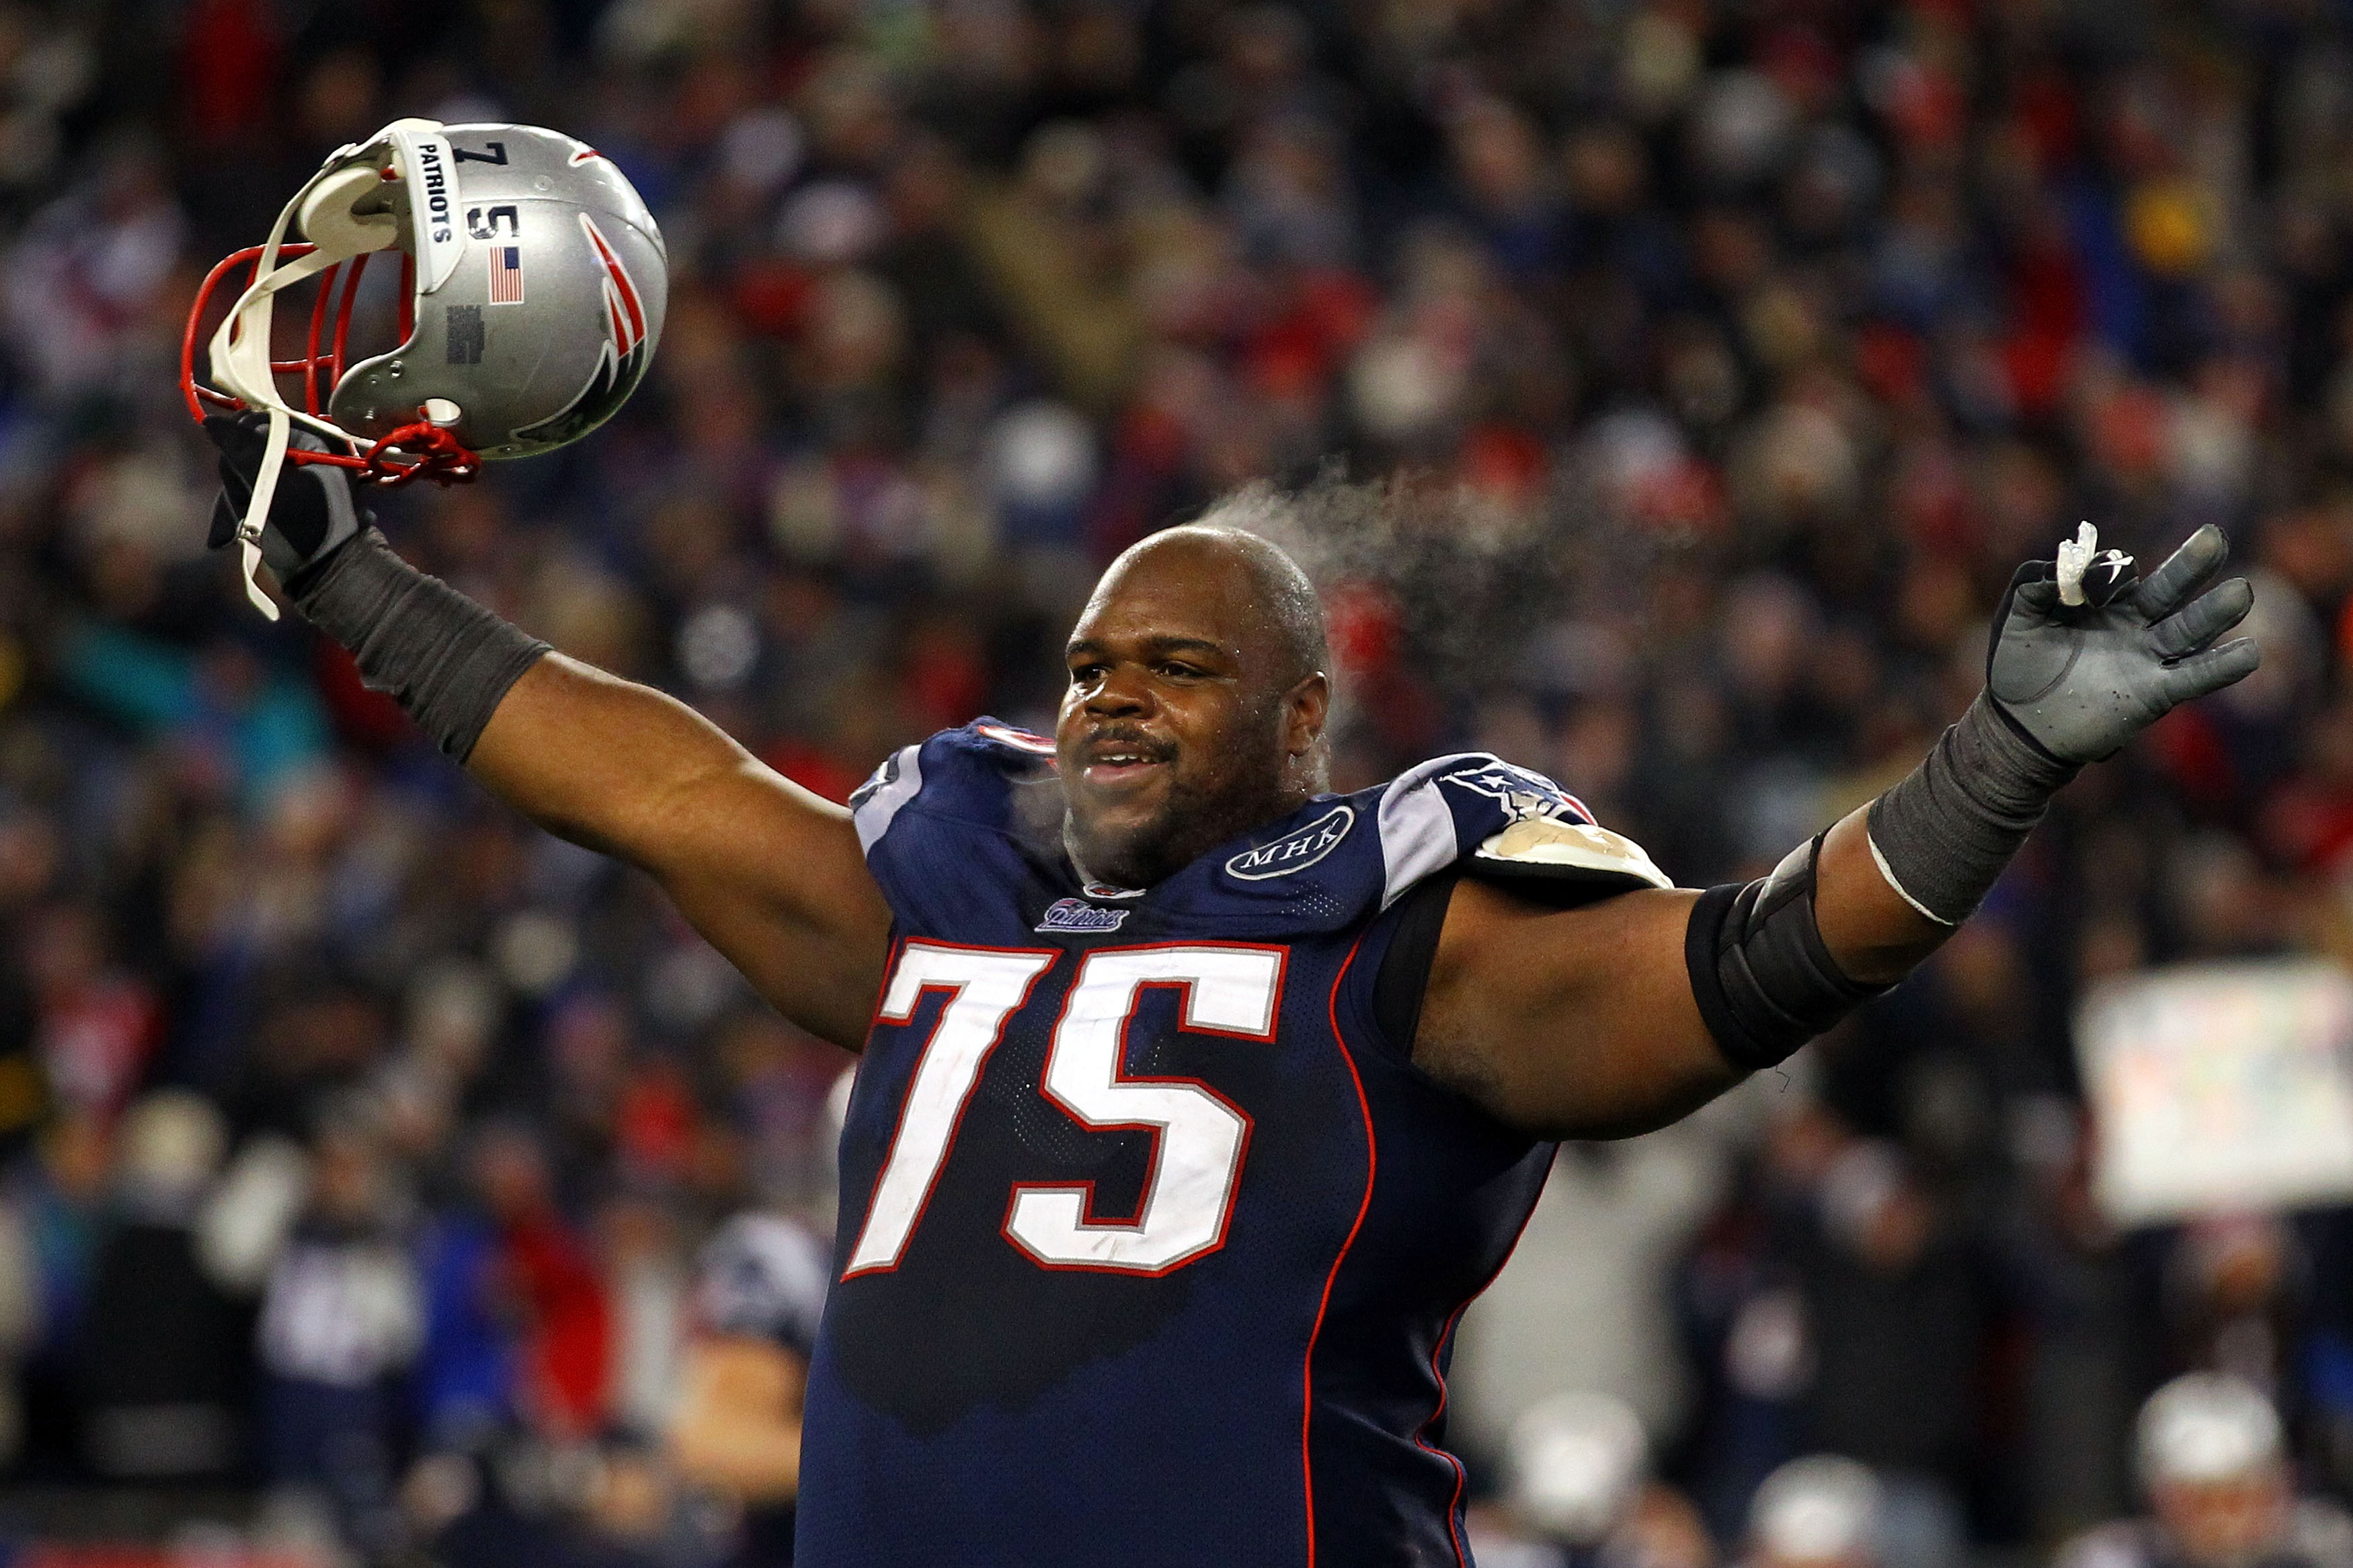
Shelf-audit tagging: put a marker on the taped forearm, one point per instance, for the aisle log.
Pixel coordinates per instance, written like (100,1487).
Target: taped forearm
(1943,835)
(447,661)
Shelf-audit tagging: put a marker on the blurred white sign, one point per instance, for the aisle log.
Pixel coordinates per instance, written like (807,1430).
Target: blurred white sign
(2219,1087)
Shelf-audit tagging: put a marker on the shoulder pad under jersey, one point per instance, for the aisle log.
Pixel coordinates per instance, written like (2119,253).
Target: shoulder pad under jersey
(1507,824)
(961,773)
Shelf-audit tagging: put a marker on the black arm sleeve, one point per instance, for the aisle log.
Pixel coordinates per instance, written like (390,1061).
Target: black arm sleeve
(446,660)
(1420,916)
(1764,979)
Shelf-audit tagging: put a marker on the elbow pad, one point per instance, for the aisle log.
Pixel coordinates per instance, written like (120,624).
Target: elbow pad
(1765,981)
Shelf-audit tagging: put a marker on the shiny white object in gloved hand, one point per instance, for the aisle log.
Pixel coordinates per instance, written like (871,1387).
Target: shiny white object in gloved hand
(2081,678)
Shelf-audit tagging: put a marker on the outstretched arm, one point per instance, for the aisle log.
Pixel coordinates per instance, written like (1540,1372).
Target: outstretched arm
(1582,1023)
(769,873)
(1623,1016)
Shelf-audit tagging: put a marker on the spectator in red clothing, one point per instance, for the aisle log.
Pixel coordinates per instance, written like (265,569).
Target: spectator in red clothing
(551,1282)
(97,1022)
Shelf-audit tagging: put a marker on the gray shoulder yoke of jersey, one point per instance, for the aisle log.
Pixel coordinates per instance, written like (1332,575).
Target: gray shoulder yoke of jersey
(1334,862)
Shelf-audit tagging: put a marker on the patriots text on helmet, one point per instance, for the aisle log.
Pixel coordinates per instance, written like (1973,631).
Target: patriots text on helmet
(436,181)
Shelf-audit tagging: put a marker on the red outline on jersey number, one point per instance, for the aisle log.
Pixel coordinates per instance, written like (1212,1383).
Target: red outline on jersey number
(1152,1169)
(956,1127)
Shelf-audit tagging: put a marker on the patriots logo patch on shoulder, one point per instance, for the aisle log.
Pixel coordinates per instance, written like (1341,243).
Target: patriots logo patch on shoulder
(1523,795)
(882,777)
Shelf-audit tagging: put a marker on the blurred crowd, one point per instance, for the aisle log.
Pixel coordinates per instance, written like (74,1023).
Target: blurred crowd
(1665,391)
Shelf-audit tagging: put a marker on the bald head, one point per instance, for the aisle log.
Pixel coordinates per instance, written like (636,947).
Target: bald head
(1197,701)
(1280,606)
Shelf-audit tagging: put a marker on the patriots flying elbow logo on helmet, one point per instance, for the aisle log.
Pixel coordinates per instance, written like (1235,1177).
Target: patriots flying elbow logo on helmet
(627,350)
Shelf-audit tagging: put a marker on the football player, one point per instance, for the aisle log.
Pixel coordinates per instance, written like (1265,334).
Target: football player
(1197,1102)
(736,1428)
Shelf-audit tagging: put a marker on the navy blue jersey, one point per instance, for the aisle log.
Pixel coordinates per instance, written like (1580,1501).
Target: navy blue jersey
(1151,1244)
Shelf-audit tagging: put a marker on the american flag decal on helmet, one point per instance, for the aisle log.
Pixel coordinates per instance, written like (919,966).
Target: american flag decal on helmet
(506,275)
(624,356)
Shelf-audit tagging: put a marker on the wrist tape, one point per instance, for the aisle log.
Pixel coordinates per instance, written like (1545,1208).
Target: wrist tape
(445,659)
(1943,835)
(1765,981)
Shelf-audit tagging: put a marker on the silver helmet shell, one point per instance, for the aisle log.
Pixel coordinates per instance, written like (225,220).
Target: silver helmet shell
(535,299)
(541,282)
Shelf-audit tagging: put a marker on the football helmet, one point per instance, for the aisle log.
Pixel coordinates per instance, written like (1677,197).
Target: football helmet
(530,299)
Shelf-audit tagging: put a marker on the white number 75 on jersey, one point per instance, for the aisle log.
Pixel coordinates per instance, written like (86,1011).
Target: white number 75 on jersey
(1202,1136)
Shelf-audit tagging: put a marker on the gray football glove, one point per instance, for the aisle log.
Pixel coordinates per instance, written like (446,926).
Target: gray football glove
(2084,658)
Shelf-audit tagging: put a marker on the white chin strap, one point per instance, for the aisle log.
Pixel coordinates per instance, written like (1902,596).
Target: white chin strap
(240,348)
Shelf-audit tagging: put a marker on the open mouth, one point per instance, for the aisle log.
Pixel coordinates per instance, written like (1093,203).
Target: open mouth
(1113,764)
